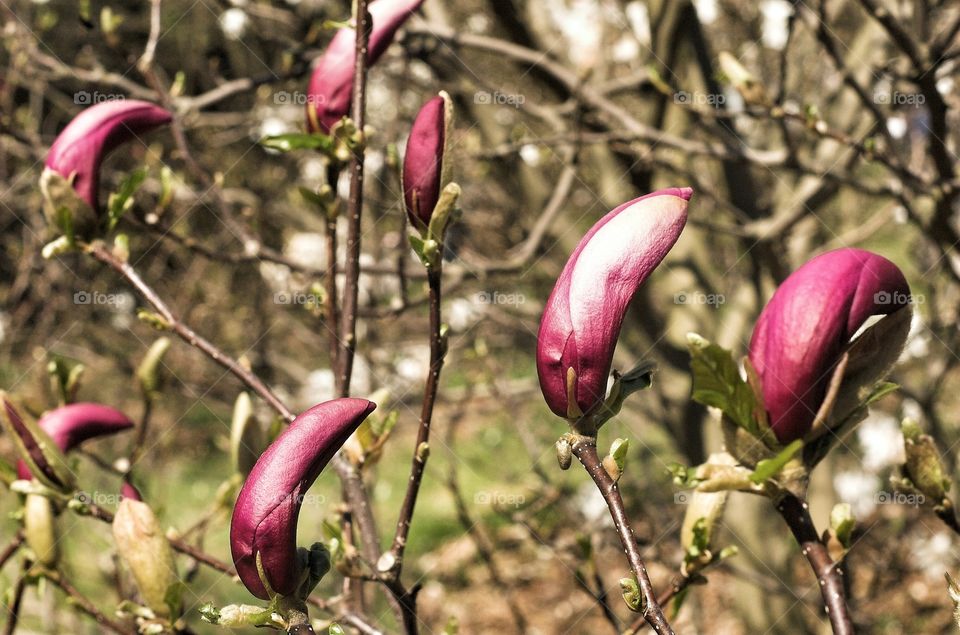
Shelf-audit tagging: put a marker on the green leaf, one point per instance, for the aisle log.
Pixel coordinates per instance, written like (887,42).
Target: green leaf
(768,468)
(842,523)
(335,629)
(717,383)
(122,200)
(618,451)
(298,141)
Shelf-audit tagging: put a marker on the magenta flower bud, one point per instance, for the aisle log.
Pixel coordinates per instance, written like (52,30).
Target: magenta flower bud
(90,136)
(265,516)
(424,170)
(127,490)
(581,321)
(331,84)
(802,331)
(69,426)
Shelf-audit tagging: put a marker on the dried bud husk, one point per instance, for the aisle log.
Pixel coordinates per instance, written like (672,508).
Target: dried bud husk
(246,435)
(148,373)
(564,452)
(40,530)
(143,546)
(924,467)
(704,511)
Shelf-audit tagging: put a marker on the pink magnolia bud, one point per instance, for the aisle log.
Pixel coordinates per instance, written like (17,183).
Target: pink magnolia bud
(424,171)
(582,318)
(127,490)
(82,145)
(805,326)
(69,426)
(331,84)
(265,516)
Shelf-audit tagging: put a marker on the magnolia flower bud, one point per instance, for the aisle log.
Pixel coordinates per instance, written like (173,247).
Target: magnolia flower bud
(331,84)
(425,172)
(143,546)
(39,529)
(924,467)
(802,332)
(78,151)
(127,490)
(582,318)
(36,449)
(69,426)
(264,527)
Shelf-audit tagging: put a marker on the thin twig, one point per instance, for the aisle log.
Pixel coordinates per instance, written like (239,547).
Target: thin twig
(11,548)
(13,613)
(585,449)
(100,251)
(85,605)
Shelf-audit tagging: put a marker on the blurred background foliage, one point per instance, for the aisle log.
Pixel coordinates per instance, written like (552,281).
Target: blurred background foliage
(841,134)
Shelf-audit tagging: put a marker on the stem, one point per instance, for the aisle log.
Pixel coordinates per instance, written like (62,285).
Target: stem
(585,449)
(348,325)
(797,516)
(421,449)
(100,251)
(85,605)
(11,548)
(13,613)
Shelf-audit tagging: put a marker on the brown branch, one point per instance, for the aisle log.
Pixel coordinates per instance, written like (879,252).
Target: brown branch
(85,605)
(11,548)
(829,575)
(100,251)
(585,449)
(13,613)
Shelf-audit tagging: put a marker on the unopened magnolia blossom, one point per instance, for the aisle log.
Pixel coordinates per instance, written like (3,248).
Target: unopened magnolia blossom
(803,330)
(582,319)
(79,150)
(265,516)
(331,84)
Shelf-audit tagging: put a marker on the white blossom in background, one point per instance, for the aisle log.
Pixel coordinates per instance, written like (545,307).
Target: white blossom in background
(578,24)
(859,489)
(589,501)
(625,49)
(271,126)
(4,325)
(945,85)
(412,364)
(461,314)
(900,216)
(639,18)
(478,23)
(122,308)
(932,553)
(882,442)
(307,248)
(318,386)
(276,276)
(774,29)
(530,154)
(233,23)
(897,126)
(910,409)
(918,340)
(313,170)
(706,10)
